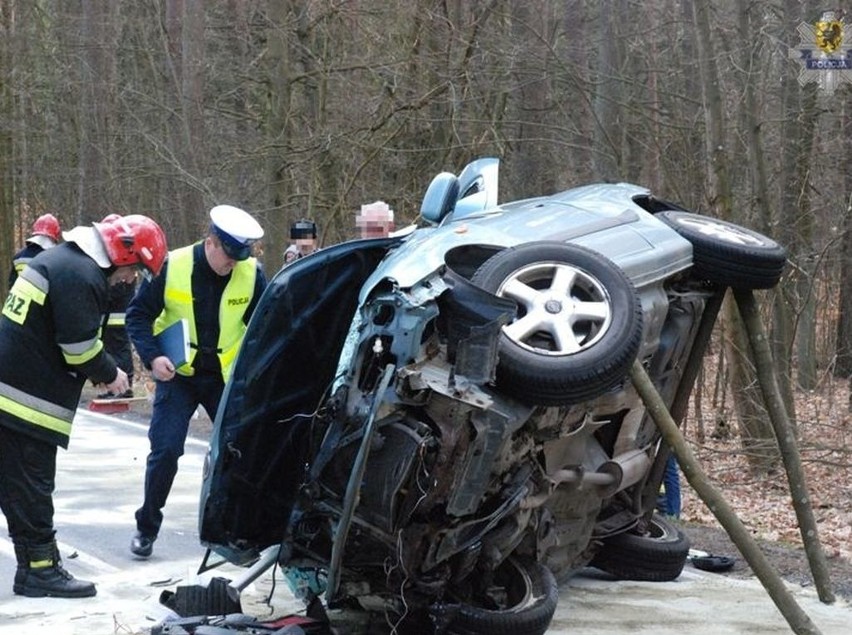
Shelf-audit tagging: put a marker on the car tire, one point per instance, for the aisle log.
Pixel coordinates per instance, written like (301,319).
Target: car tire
(531,594)
(728,254)
(657,555)
(550,354)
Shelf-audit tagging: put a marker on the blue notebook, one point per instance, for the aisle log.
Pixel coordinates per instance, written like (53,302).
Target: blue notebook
(174,342)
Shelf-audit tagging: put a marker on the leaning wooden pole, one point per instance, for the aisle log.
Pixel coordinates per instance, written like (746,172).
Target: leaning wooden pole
(786,442)
(786,603)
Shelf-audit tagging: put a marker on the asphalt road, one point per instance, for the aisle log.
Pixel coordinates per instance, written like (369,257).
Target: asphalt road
(99,484)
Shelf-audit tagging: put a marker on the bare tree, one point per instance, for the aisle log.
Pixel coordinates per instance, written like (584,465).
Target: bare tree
(755,432)
(7,150)
(606,124)
(843,363)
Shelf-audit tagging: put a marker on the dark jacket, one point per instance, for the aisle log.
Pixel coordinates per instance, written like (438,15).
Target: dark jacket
(50,342)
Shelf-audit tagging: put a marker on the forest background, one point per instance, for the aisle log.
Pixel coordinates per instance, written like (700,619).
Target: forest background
(307,109)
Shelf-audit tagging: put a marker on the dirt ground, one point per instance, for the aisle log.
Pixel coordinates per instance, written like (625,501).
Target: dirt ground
(789,561)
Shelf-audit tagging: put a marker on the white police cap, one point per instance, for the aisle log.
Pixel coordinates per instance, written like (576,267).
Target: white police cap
(238,224)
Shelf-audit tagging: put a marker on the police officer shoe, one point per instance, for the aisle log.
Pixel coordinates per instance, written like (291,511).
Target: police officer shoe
(142,546)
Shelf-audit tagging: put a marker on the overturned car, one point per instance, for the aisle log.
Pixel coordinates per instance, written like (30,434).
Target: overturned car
(437,427)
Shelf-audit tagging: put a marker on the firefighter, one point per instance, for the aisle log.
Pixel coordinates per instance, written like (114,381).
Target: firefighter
(49,347)
(214,284)
(45,234)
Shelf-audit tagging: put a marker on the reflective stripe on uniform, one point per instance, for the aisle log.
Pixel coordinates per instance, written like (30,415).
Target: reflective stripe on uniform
(81,352)
(25,287)
(28,288)
(116,319)
(177,295)
(38,282)
(40,564)
(40,412)
(20,263)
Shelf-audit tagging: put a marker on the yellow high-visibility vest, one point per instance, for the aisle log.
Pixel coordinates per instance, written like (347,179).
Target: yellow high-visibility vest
(235,301)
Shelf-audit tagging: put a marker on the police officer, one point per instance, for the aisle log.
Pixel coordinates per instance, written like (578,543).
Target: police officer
(45,234)
(49,346)
(304,233)
(214,285)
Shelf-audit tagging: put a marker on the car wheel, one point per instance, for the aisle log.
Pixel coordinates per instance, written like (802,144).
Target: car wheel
(728,254)
(578,327)
(658,555)
(521,599)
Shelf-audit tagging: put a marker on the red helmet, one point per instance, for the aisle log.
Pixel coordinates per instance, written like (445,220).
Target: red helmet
(47,225)
(132,240)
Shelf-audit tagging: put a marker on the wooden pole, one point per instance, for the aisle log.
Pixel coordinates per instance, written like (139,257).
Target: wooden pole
(786,603)
(786,438)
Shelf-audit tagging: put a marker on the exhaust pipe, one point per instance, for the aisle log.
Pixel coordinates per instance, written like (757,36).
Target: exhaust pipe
(621,472)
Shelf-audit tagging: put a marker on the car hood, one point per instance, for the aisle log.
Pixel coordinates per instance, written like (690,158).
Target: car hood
(286,363)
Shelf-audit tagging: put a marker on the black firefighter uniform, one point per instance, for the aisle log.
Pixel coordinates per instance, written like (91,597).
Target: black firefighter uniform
(49,345)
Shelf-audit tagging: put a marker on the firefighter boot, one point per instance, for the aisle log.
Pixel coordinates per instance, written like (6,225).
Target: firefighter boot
(40,574)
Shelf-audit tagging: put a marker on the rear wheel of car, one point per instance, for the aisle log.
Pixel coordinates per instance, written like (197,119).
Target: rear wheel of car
(657,555)
(521,599)
(728,254)
(578,327)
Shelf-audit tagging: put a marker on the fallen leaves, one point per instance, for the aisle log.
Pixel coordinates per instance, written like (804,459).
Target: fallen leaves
(763,502)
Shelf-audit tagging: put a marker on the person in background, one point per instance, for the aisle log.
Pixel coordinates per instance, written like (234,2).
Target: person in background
(214,284)
(49,347)
(669,501)
(374,220)
(115,337)
(303,233)
(114,334)
(45,234)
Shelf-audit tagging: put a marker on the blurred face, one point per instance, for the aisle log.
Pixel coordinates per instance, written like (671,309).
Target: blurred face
(373,223)
(306,245)
(219,261)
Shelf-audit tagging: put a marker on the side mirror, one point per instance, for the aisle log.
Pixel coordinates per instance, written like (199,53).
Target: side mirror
(440,197)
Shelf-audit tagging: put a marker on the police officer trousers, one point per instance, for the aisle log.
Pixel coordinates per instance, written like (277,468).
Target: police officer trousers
(175,402)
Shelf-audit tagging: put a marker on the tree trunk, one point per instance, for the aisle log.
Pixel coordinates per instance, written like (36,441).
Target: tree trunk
(756,433)
(754,131)
(757,438)
(192,106)
(7,142)
(93,201)
(804,249)
(784,433)
(606,126)
(843,355)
